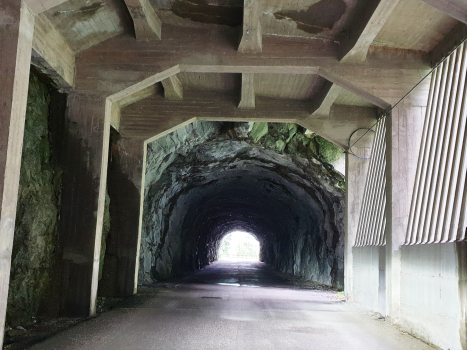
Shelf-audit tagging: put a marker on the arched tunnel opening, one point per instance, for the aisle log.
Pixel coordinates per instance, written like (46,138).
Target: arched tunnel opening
(272,180)
(239,246)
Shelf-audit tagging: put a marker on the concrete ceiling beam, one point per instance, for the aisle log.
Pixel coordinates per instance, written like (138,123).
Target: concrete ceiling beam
(451,8)
(252,40)
(248,98)
(330,93)
(147,24)
(337,80)
(39,6)
(373,19)
(52,55)
(173,88)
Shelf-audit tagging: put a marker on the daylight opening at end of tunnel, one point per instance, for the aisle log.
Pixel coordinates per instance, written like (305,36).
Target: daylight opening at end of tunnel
(239,246)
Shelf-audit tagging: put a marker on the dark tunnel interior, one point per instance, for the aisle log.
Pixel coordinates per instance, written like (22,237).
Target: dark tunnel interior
(203,182)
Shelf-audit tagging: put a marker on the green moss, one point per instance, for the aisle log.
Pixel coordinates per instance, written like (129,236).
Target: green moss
(105,232)
(328,151)
(258,131)
(37,213)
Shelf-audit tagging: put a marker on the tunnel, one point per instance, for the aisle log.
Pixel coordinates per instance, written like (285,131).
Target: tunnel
(210,178)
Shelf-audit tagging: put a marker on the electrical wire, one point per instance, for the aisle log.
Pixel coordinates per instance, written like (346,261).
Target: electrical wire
(386,113)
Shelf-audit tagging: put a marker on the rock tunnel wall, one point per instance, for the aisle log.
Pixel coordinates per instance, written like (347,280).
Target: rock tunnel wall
(37,215)
(207,179)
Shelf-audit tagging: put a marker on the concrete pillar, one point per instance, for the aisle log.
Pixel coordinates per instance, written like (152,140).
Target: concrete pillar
(16,33)
(356,170)
(83,158)
(403,137)
(124,188)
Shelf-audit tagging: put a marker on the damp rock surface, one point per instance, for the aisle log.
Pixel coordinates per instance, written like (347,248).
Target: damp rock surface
(37,213)
(208,179)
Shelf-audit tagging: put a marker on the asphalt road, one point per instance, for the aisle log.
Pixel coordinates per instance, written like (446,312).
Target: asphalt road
(231,305)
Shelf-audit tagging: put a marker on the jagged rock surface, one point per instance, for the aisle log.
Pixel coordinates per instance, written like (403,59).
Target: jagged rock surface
(208,179)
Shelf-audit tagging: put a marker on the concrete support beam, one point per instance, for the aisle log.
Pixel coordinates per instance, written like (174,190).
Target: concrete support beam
(453,8)
(371,22)
(340,123)
(248,98)
(124,185)
(356,169)
(403,139)
(173,89)
(52,55)
(84,162)
(323,108)
(147,24)
(252,40)
(39,6)
(16,33)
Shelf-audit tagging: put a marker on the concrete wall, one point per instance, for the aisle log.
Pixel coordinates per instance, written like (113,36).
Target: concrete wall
(369,277)
(430,301)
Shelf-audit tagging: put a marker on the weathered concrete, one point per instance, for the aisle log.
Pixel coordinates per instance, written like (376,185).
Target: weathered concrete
(16,32)
(369,275)
(197,313)
(356,169)
(124,187)
(404,134)
(430,304)
(82,151)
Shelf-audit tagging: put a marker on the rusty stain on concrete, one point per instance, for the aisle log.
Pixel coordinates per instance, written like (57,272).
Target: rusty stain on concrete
(318,18)
(226,13)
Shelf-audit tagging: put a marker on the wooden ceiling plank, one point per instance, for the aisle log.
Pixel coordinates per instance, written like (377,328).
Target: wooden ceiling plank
(252,40)
(248,98)
(147,24)
(357,46)
(450,8)
(39,6)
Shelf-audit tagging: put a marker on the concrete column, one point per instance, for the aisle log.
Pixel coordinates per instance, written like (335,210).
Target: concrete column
(124,188)
(16,33)
(83,158)
(356,170)
(404,133)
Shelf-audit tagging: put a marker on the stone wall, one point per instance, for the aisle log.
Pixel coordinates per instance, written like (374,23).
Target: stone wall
(37,214)
(207,179)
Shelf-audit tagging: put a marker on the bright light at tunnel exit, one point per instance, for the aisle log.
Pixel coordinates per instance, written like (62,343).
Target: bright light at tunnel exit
(239,246)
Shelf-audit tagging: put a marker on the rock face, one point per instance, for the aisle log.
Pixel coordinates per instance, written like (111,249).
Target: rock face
(37,212)
(207,179)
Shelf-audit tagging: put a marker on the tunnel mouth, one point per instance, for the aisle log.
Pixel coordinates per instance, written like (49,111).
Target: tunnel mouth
(239,245)
(207,180)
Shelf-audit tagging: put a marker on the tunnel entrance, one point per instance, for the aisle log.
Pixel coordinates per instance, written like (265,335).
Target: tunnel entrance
(239,246)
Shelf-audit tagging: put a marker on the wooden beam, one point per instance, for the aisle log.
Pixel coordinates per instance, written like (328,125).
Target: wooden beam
(252,40)
(335,79)
(39,6)
(355,49)
(451,8)
(173,89)
(247,100)
(51,54)
(147,24)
